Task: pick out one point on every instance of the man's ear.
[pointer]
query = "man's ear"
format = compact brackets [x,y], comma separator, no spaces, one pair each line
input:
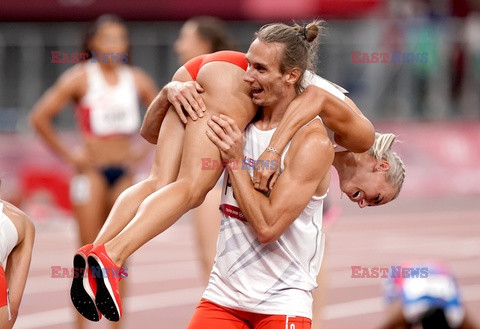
[293,76]
[382,165]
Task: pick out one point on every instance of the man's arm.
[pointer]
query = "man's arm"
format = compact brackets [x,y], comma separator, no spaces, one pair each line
[307,165]
[187,99]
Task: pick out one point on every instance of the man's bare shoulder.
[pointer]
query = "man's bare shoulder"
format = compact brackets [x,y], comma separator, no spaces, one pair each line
[310,155]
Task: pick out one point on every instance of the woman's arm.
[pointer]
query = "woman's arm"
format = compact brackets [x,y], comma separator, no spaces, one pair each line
[18,262]
[146,87]
[352,129]
[147,91]
[50,104]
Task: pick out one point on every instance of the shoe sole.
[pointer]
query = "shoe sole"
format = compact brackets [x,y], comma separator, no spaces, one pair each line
[81,299]
[105,299]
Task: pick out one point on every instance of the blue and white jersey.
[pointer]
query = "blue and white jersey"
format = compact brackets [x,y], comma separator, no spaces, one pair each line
[418,295]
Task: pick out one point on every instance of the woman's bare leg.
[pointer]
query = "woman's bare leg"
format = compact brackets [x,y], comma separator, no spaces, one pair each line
[164,207]
[164,171]
[120,186]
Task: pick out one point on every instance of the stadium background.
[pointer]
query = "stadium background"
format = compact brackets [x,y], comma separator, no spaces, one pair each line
[434,107]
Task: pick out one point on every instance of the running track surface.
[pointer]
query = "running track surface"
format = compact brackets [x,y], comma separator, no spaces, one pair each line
[164,282]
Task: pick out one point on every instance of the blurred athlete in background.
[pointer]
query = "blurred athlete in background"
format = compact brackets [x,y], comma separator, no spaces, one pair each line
[106,92]
[431,299]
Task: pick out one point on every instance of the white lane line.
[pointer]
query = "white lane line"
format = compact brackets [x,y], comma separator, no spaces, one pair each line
[191,296]
[65,315]
[413,215]
[137,274]
[377,305]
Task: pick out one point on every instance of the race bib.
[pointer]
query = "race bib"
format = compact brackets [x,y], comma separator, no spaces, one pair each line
[110,117]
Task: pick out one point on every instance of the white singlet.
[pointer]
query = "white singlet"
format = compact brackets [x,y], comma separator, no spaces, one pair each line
[8,236]
[109,110]
[311,78]
[271,278]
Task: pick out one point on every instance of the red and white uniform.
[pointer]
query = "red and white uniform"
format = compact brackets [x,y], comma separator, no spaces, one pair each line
[8,241]
[273,278]
[106,109]
[8,237]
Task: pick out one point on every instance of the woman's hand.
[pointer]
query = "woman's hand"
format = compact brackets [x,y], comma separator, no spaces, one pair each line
[266,174]
[185,97]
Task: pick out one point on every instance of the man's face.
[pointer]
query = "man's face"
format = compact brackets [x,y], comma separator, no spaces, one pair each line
[263,73]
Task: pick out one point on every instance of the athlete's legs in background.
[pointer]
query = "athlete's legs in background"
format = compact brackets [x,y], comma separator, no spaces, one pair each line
[331,212]
[319,294]
[207,218]
[89,197]
[164,171]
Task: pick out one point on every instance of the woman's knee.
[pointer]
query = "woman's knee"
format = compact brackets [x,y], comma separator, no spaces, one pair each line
[195,193]
[156,181]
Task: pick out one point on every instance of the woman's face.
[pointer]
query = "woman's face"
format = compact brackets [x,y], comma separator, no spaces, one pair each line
[110,38]
[190,44]
[368,186]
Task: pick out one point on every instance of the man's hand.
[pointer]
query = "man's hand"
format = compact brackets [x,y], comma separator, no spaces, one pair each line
[264,177]
[185,96]
[226,135]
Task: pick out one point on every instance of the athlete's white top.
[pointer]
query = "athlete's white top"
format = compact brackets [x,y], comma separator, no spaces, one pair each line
[8,236]
[310,78]
[272,278]
[107,109]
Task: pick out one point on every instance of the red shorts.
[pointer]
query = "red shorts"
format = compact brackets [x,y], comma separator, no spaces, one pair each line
[209,315]
[234,57]
[3,288]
